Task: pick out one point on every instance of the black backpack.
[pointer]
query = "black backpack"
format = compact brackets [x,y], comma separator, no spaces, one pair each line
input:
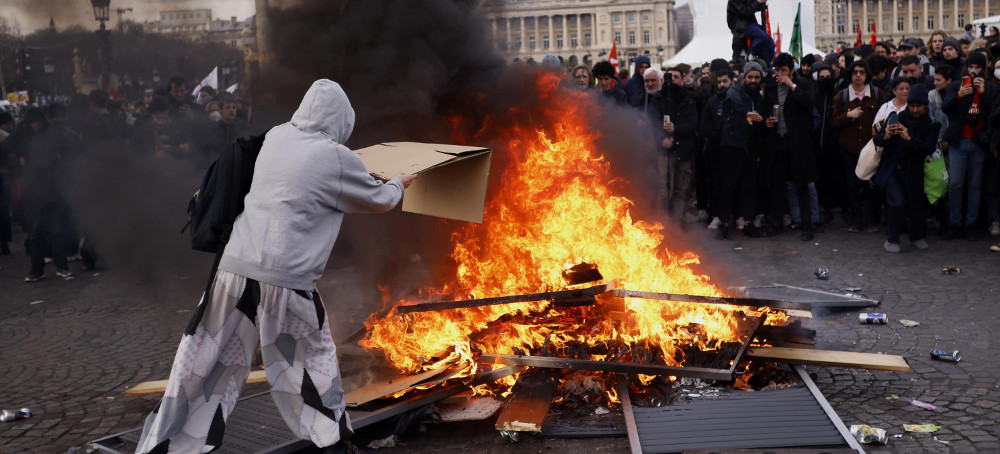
[214,207]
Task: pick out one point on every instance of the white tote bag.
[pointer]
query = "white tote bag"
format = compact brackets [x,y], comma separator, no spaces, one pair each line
[868,161]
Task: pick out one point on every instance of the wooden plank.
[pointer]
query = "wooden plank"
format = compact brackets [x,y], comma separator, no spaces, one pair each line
[633,432]
[798,313]
[738,301]
[394,385]
[551,362]
[830,358]
[158,386]
[475,409]
[461,304]
[529,403]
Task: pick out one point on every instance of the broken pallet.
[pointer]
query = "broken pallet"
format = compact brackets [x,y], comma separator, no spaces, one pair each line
[829,358]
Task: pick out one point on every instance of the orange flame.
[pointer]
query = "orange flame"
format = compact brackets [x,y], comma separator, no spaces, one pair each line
[556,203]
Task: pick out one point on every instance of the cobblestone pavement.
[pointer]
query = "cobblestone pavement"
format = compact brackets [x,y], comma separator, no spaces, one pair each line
[72,347]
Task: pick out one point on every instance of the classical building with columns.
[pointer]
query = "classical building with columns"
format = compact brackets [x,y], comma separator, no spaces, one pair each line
[582,31]
[837,21]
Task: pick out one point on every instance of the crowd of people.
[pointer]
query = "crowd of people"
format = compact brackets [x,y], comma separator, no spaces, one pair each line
[41,149]
[765,145]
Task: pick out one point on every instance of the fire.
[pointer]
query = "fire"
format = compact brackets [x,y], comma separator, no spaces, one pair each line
[556,203]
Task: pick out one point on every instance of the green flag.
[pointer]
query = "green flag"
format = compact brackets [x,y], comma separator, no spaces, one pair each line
[795,46]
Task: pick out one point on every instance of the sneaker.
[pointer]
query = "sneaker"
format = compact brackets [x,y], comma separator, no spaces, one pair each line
[853,228]
[65,274]
[73,258]
[702,215]
[786,220]
[714,225]
[793,226]
[921,244]
[995,247]
[34,277]
[758,221]
[740,223]
[890,246]
[995,228]
[872,229]
[48,260]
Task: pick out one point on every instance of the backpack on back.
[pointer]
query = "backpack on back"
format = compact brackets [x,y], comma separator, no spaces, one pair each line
[214,207]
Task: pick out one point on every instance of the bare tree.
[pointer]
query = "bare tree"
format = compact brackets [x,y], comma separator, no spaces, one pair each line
[10,39]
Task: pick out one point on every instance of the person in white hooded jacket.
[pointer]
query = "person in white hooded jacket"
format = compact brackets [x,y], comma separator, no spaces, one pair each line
[304,181]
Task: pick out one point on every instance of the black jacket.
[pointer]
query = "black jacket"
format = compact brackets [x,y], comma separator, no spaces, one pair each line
[675,101]
[712,120]
[798,113]
[740,13]
[737,133]
[957,110]
[907,156]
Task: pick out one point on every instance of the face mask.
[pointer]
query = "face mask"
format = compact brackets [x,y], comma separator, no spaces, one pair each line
[996,74]
[973,73]
[826,84]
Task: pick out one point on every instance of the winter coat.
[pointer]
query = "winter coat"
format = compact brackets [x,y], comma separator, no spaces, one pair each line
[798,113]
[303,183]
[616,93]
[737,133]
[675,101]
[907,156]
[957,110]
[712,121]
[740,13]
[635,86]
[854,133]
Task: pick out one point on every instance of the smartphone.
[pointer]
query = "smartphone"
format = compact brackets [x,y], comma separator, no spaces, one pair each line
[893,118]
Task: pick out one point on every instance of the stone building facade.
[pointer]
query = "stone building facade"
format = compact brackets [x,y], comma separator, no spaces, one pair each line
[582,31]
[837,21]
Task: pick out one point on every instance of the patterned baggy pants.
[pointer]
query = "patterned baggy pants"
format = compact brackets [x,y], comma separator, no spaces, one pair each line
[214,357]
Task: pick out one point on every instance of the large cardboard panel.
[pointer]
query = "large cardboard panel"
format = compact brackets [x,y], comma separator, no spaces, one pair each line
[452,178]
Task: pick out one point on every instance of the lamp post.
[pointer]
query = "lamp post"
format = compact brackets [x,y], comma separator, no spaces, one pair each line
[156,78]
[102,11]
[49,67]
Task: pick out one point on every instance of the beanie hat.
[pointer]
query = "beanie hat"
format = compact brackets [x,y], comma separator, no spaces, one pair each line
[750,67]
[918,95]
[976,58]
[952,43]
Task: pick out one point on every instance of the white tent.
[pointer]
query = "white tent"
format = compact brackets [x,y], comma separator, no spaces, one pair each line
[712,38]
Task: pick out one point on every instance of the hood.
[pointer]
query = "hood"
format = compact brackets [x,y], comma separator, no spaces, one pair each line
[326,109]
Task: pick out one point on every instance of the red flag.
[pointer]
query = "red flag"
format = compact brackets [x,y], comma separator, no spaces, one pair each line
[873,35]
[613,56]
[857,43]
[777,41]
[767,21]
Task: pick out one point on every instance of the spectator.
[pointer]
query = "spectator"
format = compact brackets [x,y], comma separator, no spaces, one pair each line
[911,47]
[790,138]
[163,136]
[879,67]
[712,121]
[936,41]
[968,36]
[830,183]
[965,44]
[635,85]
[181,102]
[968,103]
[583,78]
[911,68]
[854,111]
[674,105]
[901,170]
[653,80]
[226,130]
[205,95]
[740,145]
[950,49]
[900,88]
[608,84]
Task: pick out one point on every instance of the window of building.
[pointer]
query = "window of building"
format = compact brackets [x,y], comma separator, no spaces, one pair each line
[586,39]
[557,21]
[631,16]
[234,43]
[916,23]
[517,42]
[870,4]
[631,36]
[645,16]
[531,42]
[543,21]
[975,16]
[618,37]
[545,41]
[871,23]
[198,15]
[961,2]
[559,41]
[529,22]
[899,4]
[841,29]
[885,4]
[616,18]
[945,19]
[961,20]
[586,18]
[572,40]
[946,2]
[645,36]
[856,5]
[855,24]
[899,24]
[571,20]
[930,22]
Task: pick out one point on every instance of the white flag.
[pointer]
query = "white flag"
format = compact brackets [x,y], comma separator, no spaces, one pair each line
[232,88]
[211,80]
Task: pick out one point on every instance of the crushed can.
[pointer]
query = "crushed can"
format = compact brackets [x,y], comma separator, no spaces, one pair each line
[945,355]
[951,270]
[15,415]
[869,435]
[822,273]
[873,318]
[510,436]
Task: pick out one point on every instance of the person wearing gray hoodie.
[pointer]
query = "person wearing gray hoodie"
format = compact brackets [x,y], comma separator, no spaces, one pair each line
[304,181]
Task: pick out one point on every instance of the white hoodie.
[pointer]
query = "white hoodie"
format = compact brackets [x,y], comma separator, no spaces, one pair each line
[303,183]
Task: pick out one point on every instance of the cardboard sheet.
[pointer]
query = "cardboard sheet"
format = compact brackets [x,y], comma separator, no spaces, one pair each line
[452,178]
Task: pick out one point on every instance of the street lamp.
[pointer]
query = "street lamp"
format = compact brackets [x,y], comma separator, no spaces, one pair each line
[102,11]
[156,77]
[49,68]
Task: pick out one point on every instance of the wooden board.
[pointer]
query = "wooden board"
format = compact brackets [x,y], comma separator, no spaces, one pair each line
[394,385]
[532,297]
[475,409]
[158,386]
[529,403]
[829,358]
